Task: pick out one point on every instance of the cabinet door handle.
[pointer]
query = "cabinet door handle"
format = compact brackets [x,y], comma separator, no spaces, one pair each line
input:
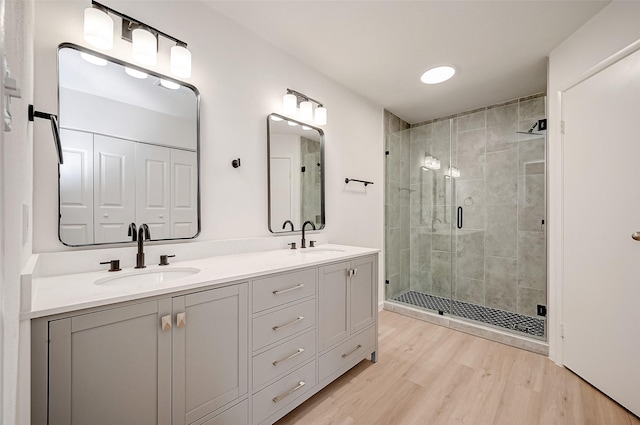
[181,320]
[282,291]
[288,393]
[299,351]
[345,355]
[299,318]
[166,322]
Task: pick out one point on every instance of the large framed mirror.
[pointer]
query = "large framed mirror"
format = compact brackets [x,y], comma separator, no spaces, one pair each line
[295,154]
[130,141]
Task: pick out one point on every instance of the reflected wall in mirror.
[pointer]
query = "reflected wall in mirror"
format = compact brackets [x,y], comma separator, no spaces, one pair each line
[130,142]
[296,174]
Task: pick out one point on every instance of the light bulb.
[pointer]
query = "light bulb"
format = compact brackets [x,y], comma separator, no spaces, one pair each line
[274,118]
[292,124]
[98,28]
[93,59]
[321,115]
[169,84]
[181,61]
[306,127]
[145,46]
[289,104]
[135,73]
[306,111]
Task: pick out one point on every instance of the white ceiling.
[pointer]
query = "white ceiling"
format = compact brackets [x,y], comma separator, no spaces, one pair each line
[380,49]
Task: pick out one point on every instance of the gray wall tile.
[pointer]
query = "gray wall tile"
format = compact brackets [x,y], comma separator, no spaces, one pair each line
[501,235]
[502,177]
[501,286]
[532,108]
[531,202]
[532,265]
[528,299]
[469,290]
[502,124]
[441,273]
[531,155]
[421,281]
[471,121]
[471,154]
[470,254]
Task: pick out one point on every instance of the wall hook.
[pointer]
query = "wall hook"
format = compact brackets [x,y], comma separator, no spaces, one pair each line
[235,163]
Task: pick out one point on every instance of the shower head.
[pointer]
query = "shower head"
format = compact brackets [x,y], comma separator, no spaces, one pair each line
[530,131]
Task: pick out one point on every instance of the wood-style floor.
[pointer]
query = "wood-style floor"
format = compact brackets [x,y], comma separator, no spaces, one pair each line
[431,375]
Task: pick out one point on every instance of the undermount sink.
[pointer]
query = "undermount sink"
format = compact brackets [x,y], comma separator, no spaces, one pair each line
[147,277]
[321,250]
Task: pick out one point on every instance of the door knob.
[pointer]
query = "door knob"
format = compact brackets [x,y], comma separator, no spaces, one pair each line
[166,323]
[181,320]
[636,236]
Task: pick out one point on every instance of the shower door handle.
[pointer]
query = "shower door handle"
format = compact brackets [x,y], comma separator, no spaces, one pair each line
[636,236]
[460,213]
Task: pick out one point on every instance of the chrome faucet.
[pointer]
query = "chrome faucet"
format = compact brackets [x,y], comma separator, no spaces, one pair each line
[304,241]
[288,222]
[143,233]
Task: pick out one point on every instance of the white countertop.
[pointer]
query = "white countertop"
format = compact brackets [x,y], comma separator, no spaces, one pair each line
[64,293]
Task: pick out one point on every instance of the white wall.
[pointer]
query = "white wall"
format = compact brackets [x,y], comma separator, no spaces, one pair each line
[614,28]
[17,183]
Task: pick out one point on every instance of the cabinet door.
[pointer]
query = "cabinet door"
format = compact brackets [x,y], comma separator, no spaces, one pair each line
[111,367]
[333,320]
[210,351]
[362,294]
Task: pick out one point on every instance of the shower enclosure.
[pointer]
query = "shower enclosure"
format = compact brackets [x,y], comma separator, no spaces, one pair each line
[465,216]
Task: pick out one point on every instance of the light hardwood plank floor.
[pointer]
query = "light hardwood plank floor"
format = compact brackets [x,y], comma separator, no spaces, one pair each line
[428,374]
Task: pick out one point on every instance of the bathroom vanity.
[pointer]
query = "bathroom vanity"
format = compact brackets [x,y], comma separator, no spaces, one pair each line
[236,339]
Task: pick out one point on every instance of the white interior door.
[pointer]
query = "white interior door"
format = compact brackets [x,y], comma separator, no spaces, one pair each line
[115,188]
[76,188]
[601,182]
[281,190]
[153,165]
[184,194]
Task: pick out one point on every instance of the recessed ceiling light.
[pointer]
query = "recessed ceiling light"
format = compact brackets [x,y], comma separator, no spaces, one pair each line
[438,74]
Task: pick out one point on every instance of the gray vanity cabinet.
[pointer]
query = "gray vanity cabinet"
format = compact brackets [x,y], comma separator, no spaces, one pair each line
[209,351]
[347,299]
[111,367]
[172,361]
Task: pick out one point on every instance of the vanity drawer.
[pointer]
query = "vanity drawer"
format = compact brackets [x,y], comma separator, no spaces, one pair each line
[283,358]
[280,324]
[282,392]
[353,348]
[277,290]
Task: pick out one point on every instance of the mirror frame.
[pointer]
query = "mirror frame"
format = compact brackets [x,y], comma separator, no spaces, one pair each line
[155,74]
[322,185]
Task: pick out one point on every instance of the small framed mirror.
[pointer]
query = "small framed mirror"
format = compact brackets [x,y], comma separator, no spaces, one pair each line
[130,141]
[295,159]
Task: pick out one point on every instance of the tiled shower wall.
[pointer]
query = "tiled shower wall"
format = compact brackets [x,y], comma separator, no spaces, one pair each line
[498,259]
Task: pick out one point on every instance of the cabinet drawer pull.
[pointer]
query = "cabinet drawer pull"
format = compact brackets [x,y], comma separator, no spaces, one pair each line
[166,322]
[299,318]
[282,291]
[181,320]
[299,351]
[345,355]
[288,393]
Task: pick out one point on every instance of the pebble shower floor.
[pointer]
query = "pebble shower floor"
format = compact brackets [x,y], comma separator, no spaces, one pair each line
[491,316]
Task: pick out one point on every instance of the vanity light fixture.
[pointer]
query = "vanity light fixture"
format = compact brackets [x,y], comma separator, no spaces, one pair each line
[93,59]
[293,99]
[98,27]
[439,74]
[98,31]
[135,73]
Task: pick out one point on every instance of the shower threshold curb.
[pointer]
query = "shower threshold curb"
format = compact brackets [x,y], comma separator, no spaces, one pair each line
[473,328]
